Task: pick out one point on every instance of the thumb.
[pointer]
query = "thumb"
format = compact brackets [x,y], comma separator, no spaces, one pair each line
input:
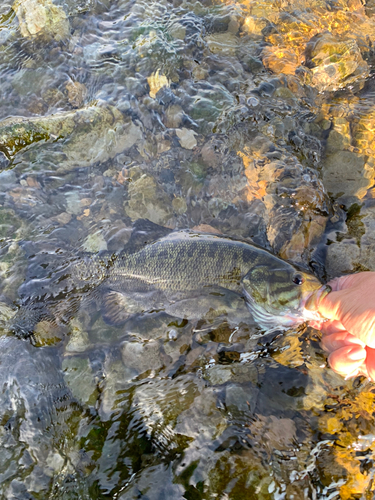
[330,307]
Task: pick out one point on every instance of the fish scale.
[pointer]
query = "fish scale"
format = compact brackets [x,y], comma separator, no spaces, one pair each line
[191,262]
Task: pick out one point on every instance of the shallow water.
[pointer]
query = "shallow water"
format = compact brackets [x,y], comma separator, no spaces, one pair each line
[251,119]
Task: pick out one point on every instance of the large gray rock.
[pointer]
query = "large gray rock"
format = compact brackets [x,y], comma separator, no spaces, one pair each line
[93,134]
[353,250]
[343,175]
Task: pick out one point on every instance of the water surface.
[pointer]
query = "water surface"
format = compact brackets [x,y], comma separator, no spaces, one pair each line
[251,119]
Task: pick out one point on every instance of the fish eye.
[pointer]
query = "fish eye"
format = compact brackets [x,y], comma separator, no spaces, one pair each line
[298,279]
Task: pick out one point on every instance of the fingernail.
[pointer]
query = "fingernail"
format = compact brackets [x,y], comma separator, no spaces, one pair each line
[355,353]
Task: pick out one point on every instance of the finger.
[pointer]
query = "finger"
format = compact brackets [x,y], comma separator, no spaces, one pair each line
[317,324]
[343,282]
[330,305]
[347,360]
[370,363]
[362,371]
[329,327]
[340,339]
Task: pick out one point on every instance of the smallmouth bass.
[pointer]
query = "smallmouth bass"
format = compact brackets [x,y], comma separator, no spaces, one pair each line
[171,274]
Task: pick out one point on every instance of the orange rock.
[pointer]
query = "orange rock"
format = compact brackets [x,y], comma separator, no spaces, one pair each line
[32,182]
[307,236]
[77,93]
[280,60]
[86,202]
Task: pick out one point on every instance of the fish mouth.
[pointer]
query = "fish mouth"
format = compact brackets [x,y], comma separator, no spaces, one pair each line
[292,317]
[268,321]
[310,303]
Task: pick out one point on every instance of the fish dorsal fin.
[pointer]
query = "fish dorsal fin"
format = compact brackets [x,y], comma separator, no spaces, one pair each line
[145,232]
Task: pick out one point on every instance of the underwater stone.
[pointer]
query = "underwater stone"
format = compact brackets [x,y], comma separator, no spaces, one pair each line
[174,116]
[157,81]
[117,378]
[9,223]
[254,26]
[54,97]
[308,236]
[367,246]
[141,356]
[336,63]
[342,257]
[91,134]
[4,162]
[148,199]
[177,31]
[79,339]
[218,374]
[339,137]
[241,398]
[343,175]
[225,44]
[77,93]
[94,243]
[80,379]
[179,205]
[163,481]
[280,60]
[41,18]
[8,179]
[47,334]
[353,249]
[211,153]
[73,203]
[200,73]
[187,138]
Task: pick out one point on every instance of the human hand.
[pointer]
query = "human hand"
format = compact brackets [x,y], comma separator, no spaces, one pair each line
[349,333]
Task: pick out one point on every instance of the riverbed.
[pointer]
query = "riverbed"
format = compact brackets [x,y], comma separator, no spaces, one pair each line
[253,120]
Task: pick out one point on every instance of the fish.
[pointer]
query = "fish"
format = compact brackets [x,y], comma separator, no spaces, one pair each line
[183,273]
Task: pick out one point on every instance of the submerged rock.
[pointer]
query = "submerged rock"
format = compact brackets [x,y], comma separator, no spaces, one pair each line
[42,18]
[187,138]
[91,134]
[344,175]
[225,44]
[80,379]
[336,63]
[94,243]
[147,199]
[37,414]
[353,248]
[280,60]
[77,93]
[157,482]
[295,204]
[157,81]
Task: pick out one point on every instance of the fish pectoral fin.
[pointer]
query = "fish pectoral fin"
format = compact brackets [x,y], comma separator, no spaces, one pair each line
[116,308]
[197,304]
